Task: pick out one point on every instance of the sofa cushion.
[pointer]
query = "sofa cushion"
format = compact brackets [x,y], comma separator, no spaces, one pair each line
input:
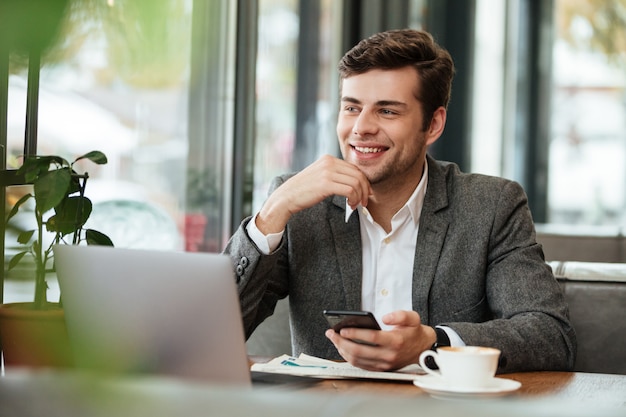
[596,295]
[579,243]
[272,337]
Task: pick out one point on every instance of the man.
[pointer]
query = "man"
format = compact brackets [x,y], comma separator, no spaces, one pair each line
[439,256]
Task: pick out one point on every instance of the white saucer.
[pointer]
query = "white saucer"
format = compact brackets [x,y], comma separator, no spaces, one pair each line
[437,388]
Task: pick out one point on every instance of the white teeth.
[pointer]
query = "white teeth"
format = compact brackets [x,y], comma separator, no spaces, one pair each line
[367,150]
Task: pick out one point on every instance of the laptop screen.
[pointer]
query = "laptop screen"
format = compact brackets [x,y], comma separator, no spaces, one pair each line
[156,312]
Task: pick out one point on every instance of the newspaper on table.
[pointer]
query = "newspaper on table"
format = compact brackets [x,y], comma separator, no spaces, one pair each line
[311,366]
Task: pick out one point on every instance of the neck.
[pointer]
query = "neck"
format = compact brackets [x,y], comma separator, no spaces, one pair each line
[388,199]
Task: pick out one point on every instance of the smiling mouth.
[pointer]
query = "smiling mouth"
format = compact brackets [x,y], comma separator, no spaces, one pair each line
[366,149]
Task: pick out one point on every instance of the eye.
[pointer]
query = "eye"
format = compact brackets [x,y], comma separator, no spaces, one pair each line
[388,112]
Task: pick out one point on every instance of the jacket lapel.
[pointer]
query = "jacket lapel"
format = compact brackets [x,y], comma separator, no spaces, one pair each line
[430,238]
[347,238]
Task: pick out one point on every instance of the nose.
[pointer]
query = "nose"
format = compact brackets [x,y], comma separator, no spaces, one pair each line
[365,124]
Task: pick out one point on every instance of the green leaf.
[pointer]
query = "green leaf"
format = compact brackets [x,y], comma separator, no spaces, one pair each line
[31,168]
[96,157]
[25,237]
[17,205]
[35,166]
[50,188]
[16,259]
[70,215]
[97,238]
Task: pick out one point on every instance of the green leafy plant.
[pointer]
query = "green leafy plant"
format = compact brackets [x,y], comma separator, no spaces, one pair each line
[60,207]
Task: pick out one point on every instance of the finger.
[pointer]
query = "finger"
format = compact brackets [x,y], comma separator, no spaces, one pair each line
[361,336]
[329,171]
[331,334]
[325,177]
[402,318]
[338,341]
[358,188]
[354,176]
[363,186]
[341,184]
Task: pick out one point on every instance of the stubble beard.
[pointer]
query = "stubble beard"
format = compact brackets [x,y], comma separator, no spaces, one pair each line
[394,173]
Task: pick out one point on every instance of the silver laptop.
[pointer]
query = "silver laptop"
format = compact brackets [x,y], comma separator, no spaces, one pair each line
[155,312]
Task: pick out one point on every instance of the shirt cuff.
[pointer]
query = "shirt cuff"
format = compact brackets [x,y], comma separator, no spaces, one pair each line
[266,244]
[455,339]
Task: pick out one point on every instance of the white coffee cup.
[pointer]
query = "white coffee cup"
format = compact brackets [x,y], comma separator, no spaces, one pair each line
[463,366]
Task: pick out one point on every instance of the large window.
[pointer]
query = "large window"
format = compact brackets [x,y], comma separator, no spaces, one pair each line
[295,114]
[116,79]
[276,90]
[549,106]
[160,86]
[587,176]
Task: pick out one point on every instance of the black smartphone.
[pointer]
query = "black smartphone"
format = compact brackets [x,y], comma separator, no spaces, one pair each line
[338,319]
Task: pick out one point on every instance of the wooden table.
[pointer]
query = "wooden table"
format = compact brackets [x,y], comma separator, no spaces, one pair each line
[601,388]
[585,388]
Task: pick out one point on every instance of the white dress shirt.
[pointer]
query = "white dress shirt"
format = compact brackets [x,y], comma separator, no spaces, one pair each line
[387,257]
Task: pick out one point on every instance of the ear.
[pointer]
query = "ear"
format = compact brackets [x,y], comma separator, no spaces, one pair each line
[437,123]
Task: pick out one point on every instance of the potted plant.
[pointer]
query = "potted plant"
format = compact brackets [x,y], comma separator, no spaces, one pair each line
[61,210]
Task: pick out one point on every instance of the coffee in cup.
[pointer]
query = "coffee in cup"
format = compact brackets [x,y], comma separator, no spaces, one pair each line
[463,366]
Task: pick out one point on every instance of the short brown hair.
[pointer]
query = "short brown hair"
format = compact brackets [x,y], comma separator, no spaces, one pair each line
[401,48]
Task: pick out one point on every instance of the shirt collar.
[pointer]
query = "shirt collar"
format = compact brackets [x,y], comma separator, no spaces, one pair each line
[414,203]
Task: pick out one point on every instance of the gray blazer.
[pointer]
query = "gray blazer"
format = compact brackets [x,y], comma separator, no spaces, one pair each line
[477,269]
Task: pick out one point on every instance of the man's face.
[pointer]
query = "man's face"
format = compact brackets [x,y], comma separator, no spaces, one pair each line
[380,125]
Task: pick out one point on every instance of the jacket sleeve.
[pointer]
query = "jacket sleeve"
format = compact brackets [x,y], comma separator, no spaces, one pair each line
[261,279]
[527,315]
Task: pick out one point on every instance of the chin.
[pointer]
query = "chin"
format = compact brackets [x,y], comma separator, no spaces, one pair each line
[374,177]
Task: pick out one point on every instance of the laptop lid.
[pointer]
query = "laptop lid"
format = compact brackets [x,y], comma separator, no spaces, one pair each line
[150,311]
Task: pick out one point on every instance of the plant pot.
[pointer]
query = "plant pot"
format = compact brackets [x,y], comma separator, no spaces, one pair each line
[34,338]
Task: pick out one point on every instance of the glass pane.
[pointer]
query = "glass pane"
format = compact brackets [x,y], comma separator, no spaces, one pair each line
[279,31]
[276,92]
[488,79]
[116,80]
[587,168]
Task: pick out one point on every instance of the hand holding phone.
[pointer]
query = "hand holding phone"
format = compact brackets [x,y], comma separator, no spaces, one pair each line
[338,319]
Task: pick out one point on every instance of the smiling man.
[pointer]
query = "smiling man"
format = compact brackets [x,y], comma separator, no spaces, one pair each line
[439,256]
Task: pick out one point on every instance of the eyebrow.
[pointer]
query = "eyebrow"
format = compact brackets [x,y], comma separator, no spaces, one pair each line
[381,103]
